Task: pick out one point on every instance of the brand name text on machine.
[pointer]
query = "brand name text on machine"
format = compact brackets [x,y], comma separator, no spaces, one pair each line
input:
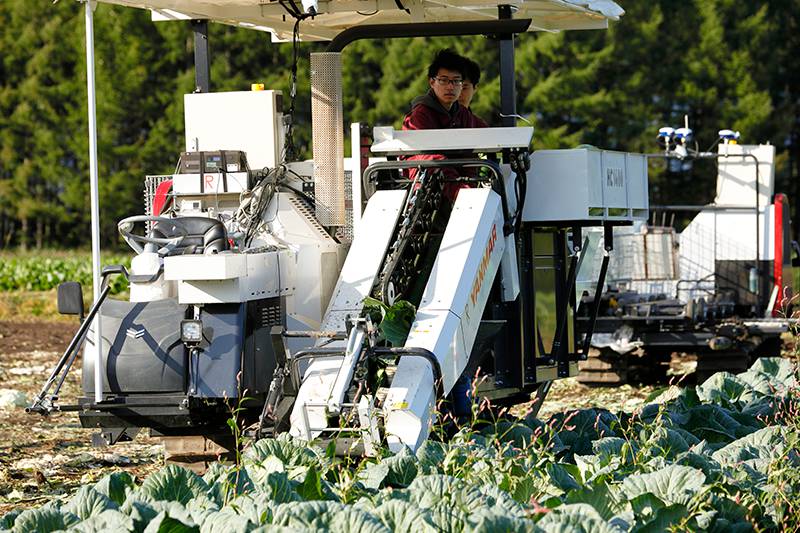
[487,255]
[615,177]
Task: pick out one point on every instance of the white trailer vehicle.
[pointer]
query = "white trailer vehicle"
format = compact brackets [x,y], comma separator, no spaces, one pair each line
[248,287]
[721,289]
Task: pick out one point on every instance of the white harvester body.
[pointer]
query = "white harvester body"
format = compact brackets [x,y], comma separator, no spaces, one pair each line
[250,284]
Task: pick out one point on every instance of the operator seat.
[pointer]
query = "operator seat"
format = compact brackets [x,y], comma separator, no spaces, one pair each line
[204,235]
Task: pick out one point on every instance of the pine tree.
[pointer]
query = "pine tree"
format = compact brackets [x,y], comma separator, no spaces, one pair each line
[722,63]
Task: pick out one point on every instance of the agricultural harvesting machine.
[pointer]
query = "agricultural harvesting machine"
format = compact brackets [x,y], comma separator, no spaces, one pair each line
[721,289]
[251,272]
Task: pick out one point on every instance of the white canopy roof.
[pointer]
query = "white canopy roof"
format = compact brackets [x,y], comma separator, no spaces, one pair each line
[335,16]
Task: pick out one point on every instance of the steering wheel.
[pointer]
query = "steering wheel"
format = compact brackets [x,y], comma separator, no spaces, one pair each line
[166,244]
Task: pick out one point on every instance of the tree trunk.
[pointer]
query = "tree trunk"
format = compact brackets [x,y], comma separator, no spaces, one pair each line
[39,232]
[23,235]
[8,232]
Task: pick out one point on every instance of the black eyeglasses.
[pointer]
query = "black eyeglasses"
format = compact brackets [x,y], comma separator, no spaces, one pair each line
[448,81]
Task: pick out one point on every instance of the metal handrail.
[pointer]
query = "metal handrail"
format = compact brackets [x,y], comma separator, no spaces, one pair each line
[44,403]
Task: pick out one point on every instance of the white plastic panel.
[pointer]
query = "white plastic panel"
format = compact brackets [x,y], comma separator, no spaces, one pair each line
[318,381]
[355,281]
[149,264]
[353,164]
[314,266]
[720,235]
[225,278]
[389,141]
[586,184]
[612,168]
[338,15]
[473,237]
[736,177]
[509,278]
[449,314]
[205,267]
[638,193]
[251,121]
[364,258]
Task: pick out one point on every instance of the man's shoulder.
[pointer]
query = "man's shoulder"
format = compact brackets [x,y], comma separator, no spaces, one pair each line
[421,110]
[424,116]
[424,99]
[468,119]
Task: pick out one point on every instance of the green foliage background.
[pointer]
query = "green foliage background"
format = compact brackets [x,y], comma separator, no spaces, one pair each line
[46,271]
[725,63]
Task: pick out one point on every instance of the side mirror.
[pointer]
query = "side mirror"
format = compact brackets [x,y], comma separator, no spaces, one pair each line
[70,299]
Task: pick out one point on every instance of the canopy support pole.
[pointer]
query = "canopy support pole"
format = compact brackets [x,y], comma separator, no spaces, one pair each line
[94,194]
[202,66]
[508,92]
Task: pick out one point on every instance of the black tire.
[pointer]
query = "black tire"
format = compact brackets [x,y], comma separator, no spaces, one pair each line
[603,367]
[709,363]
[769,347]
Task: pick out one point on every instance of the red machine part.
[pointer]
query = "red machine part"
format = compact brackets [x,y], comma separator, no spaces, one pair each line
[161,197]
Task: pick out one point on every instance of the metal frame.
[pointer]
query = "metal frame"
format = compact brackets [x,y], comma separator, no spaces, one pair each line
[202,65]
[519,372]
[508,90]
[716,157]
[428,29]
[93,185]
[497,181]
[44,403]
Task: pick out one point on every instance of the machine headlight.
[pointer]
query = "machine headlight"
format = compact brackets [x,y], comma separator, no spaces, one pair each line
[191,331]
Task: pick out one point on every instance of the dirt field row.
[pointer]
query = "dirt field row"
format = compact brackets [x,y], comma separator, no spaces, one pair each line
[42,458]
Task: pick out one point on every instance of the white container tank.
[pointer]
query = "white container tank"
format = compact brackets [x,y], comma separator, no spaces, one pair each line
[586,184]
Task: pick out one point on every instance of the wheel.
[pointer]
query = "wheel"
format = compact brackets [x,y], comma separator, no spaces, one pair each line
[603,367]
[649,367]
[197,452]
[734,361]
[769,347]
[165,244]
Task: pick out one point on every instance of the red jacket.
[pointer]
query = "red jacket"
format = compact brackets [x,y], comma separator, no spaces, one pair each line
[428,114]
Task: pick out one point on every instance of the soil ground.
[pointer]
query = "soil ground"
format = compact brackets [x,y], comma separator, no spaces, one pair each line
[44,458]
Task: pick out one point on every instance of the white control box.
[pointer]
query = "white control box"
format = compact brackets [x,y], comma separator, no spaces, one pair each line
[250,121]
[586,185]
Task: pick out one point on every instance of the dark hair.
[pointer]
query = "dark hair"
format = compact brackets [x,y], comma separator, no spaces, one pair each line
[446,59]
[472,72]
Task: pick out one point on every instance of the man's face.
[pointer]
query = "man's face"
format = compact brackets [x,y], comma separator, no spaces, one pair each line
[467,92]
[446,86]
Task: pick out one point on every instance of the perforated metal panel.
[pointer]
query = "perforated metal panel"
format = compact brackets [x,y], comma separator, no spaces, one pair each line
[328,137]
[301,208]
